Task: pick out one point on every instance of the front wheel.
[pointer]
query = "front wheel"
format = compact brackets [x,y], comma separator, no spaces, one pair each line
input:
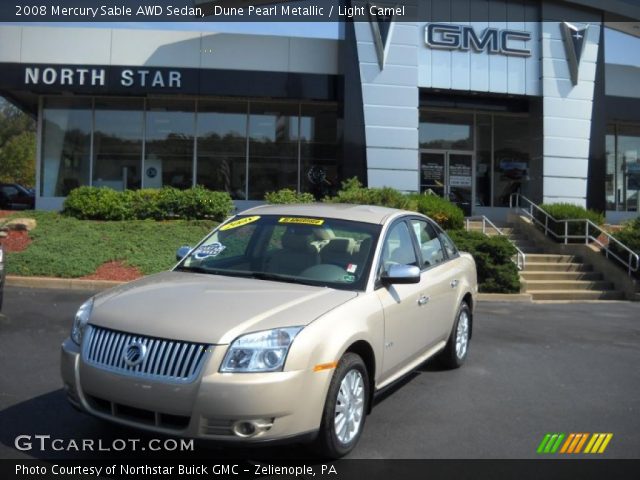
[345,408]
[455,353]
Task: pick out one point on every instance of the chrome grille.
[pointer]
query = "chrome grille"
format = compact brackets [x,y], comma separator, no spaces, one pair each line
[164,360]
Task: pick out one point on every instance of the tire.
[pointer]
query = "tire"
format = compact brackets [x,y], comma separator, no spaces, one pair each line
[457,348]
[351,374]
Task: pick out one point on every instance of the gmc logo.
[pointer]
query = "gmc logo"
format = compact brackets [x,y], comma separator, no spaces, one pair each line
[464,37]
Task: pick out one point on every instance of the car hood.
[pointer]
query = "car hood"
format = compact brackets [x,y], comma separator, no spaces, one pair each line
[210,308]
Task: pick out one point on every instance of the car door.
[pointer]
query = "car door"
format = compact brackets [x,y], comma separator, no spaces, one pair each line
[439,277]
[406,306]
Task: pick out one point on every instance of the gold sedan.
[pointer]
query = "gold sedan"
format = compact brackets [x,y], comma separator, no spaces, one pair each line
[281,325]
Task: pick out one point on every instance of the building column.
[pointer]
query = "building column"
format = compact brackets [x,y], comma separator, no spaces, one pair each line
[567,111]
[390,102]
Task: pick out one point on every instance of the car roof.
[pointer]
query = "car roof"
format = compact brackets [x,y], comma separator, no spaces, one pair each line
[343,211]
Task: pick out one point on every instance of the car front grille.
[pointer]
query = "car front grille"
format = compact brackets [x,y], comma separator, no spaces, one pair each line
[162,359]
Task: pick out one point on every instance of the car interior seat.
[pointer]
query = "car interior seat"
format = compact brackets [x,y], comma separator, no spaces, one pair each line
[296,255]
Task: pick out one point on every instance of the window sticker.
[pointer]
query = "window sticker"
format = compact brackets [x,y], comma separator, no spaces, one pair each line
[349,278]
[212,250]
[351,268]
[302,221]
[239,223]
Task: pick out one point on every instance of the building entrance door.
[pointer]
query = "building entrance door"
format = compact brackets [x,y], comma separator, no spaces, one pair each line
[449,174]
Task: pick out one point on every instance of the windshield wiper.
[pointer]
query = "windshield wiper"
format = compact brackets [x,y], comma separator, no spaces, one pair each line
[216,271]
[244,274]
[282,278]
[182,268]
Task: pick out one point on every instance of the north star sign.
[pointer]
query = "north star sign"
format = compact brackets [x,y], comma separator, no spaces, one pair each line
[464,37]
[97,77]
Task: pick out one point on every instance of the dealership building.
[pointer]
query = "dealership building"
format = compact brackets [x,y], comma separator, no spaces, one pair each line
[477,100]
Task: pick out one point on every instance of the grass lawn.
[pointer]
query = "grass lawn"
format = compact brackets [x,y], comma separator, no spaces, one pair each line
[68,248]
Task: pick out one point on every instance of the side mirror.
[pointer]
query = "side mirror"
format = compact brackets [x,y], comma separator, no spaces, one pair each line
[401,274]
[182,252]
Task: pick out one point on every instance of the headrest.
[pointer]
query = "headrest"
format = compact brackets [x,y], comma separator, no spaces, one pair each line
[339,245]
[296,241]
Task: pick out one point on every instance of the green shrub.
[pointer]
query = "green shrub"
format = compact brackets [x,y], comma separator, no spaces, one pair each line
[287,195]
[91,203]
[630,236]
[567,211]
[144,203]
[198,202]
[352,191]
[448,215]
[445,213]
[496,272]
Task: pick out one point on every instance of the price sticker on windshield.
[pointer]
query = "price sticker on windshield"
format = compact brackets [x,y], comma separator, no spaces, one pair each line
[239,223]
[301,221]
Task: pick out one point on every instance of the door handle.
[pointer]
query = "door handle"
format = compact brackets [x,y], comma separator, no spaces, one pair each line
[423,300]
[454,283]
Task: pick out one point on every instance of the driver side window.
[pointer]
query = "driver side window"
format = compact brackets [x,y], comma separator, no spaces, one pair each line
[398,247]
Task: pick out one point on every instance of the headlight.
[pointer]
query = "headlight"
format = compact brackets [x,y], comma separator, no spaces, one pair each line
[80,321]
[260,351]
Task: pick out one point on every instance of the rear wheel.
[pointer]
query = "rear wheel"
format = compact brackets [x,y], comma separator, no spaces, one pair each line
[345,408]
[455,353]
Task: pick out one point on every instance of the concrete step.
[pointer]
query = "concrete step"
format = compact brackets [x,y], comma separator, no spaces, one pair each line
[490,231]
[557,267]
[592,276]
[560,285]
[553,258]
[531,250]
[577,295]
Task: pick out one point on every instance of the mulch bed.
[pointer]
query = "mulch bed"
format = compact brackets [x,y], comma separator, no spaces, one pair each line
[114,271]
[5,213]
[16,241]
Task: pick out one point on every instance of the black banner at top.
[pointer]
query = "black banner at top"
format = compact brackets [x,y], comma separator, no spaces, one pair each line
[207,11]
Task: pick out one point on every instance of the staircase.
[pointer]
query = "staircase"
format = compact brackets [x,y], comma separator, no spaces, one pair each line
[549,276]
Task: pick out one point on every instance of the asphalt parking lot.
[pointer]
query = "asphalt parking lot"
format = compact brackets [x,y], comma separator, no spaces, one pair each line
[532,369]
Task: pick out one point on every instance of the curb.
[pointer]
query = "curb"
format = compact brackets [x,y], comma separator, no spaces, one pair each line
[505,297]
[60,283]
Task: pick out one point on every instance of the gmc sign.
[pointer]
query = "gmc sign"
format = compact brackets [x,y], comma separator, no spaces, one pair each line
[464,37]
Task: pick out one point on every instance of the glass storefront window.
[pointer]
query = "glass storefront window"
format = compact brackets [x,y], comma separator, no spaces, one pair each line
[483,160]
[623,158]
[511,158]
[273,148]
[169,144]
[446,130]
[319,138]
[66,146]
[117,143]
[222,147]
[610,180]
[280,144]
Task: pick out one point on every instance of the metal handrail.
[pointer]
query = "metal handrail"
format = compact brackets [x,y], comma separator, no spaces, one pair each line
[520,256]
[632,263]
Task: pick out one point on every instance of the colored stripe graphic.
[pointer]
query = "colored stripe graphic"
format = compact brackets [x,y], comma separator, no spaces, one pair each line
[550,443]
[598,443]
[573,443]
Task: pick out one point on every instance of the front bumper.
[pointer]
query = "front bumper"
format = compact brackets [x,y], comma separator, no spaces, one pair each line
[281,404]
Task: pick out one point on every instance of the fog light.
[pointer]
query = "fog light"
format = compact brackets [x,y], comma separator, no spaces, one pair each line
[250,428]
[244,429]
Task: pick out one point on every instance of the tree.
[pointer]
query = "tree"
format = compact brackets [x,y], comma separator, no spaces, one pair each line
[17,159]
[17,146]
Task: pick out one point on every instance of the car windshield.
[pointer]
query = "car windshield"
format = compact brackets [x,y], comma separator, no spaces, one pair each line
[308,250]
